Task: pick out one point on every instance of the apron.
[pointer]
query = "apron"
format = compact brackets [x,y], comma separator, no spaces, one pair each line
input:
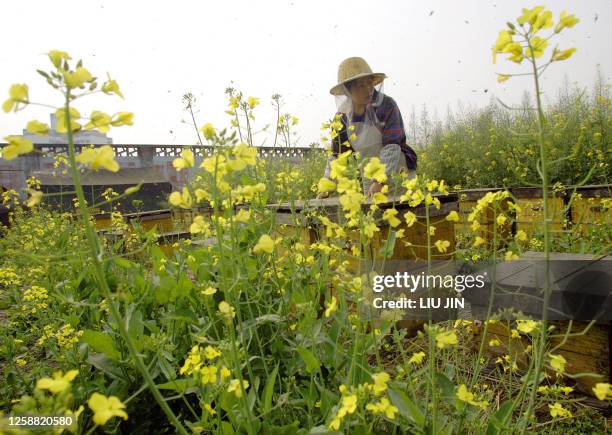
[369,144]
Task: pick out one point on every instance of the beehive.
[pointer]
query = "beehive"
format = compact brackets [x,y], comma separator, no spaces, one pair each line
[530,218]
[294,219]
[587,353]
[591,206]
[182,218]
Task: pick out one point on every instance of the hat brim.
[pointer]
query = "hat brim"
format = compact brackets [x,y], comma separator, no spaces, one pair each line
[339,88]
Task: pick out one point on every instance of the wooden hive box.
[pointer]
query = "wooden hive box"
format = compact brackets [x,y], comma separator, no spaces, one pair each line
[102,221]
[159,219]
[293,219]
[182,218]
[531,216]
[591,206]
[585,353]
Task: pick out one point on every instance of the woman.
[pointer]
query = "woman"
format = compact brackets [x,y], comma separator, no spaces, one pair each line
[375,120]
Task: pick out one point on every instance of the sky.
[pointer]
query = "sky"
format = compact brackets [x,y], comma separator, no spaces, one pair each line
[434,53]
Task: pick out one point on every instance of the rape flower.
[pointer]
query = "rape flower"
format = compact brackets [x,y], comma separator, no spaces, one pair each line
[529,15]
[332,307]
[56,57]
[562,55]
[465,395]
[370,229]
[501,219]
[35,198]
[243,216]
[111,87]
[349,405]
[510,256]
[37,127]
[502,78]
[453,216]
[209,291]
[503,40]
[446,338]
[105,408]
[208,130]
[77,78]
[602,390]
[122,118]
[234,387]
[198,225]
[181,199]
[61,126]
[211,353]
[557,362]
[225,373]
[227,310]
[17,145]
[18,94]
[390,215]
[383,407]
[375,170]
[538,45]
[99,120]
[186,160]
[209,409]
[351,201]
[417,358]
[245,154]
[543,21]
[193,362]
[265,244]
[521,236]
[557,410]
[442,245]
[58,383]
[101,157]
[410,218]
[252,102]
[209,374]
[380,382]
[526,326]
[326,185]
[565,21]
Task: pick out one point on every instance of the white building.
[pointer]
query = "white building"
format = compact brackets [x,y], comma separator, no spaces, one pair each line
[87,137]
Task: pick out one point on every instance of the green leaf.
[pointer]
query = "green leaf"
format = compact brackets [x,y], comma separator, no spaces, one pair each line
[312,362]
[123,263]
[388,246]
[447,387]
[101,342]
[406,407]
[269,390]
[496,420]
[179,385]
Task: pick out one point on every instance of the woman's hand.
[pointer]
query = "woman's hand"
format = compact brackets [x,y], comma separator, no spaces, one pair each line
[374,188]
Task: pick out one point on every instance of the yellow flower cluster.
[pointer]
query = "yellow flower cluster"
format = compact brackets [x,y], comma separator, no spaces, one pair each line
[465,395]
[208,374]
[36,299]
[65,337]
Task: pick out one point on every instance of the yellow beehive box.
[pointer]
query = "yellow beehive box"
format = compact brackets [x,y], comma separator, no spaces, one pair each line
[159,219]
[591,206]
[586,353]
[530,218]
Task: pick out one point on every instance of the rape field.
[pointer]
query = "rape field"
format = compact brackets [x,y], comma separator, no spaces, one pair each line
[250,325]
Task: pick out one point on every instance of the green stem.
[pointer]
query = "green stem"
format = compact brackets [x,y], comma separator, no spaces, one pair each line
[101,279]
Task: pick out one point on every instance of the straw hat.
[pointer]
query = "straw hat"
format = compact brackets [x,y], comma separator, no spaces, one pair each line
[351,69]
